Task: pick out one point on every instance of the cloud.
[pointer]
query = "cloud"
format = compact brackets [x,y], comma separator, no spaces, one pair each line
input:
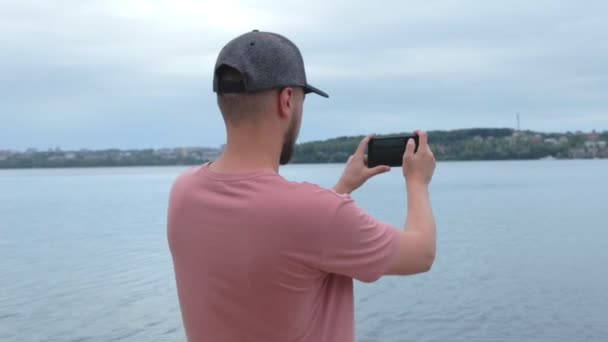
[135,73]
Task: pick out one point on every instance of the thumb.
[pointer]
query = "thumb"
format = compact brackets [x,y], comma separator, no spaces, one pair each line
[409,149]
[378,170]
[363,145]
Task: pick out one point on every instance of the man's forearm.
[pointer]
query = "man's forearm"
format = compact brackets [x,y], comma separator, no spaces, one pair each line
[420,214]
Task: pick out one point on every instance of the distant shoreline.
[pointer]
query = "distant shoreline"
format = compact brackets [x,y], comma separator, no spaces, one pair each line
[290,164]
[475,144]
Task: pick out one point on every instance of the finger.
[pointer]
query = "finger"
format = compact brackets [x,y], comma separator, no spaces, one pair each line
[409,149]
[423,139]
[363,145]
[378,170]
[365,159]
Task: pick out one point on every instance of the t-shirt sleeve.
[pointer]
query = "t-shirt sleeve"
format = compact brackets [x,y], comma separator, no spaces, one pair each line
[357,245]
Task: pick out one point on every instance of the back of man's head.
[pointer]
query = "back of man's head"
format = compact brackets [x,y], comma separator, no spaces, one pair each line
[251,69]
[242,107]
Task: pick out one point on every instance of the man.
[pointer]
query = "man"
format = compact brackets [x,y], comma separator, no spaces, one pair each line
[259,258]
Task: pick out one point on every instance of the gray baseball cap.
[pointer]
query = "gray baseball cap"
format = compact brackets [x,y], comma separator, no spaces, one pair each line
[265,60]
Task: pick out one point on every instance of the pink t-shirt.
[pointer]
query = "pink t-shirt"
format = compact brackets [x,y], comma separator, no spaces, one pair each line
[259,258]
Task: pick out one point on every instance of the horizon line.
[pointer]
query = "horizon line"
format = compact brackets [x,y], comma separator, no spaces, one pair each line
[44,149]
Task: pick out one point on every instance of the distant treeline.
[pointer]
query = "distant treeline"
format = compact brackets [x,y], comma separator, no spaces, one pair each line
[463,144]
[474,144]
[55,158]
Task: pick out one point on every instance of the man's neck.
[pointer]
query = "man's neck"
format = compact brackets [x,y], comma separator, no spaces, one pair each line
[238,158]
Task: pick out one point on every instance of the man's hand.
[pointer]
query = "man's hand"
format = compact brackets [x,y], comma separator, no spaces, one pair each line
[356,172]
[418,167]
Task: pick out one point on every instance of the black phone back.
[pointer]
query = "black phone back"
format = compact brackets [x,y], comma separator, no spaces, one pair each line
[388,150]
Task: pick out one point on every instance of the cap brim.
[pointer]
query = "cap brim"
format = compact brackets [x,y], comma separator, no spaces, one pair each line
[311,89]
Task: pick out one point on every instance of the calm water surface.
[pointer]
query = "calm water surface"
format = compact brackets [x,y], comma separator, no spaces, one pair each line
[522,254]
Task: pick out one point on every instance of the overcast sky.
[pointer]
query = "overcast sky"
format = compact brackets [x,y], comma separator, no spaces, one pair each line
[137,74]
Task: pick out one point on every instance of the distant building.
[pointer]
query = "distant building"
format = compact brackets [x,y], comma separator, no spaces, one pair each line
[577,153]
[183,152]
[163,151]
[601,144]
[211,155]
[593,136]
[551,141]
[590,144]
[440,148]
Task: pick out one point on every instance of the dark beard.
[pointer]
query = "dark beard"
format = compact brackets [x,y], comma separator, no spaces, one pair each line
[288,143]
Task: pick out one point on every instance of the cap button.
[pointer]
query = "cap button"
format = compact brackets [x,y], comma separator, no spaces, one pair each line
[256,30]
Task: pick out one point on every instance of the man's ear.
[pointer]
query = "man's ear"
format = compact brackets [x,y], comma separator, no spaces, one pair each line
[286,102]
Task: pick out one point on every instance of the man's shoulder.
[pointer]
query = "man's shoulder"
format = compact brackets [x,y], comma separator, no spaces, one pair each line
[314,196]
[184,179]
[186,174]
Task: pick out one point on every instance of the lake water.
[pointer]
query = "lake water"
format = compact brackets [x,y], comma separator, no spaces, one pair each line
[522,254]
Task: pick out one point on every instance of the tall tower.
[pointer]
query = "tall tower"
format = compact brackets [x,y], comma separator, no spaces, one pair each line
[518,123]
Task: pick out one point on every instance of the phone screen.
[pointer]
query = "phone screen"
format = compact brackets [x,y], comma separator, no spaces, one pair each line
[388,151]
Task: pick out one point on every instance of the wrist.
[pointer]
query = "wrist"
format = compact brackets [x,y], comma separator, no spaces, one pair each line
[341,189]
[416,186]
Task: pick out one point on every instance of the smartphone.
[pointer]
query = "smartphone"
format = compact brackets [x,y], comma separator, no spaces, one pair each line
[388,150]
